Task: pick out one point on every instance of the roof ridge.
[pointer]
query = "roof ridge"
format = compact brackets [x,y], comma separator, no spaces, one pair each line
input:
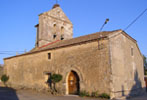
[97,33]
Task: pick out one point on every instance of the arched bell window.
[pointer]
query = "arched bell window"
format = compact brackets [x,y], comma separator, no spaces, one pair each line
[62,30]
[62,37]
[54,28]
[62,33]
[54,36]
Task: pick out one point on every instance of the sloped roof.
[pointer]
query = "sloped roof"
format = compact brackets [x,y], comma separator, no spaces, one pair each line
[69,42]
[73,41]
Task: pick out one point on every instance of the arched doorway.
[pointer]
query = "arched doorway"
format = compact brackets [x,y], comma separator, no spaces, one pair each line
[73,83]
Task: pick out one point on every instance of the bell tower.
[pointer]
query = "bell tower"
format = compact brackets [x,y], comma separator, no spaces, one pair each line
[53,25]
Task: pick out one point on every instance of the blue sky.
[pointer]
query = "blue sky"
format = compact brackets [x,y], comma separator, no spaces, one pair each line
[18,18]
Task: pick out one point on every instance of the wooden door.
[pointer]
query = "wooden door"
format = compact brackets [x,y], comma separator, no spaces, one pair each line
[73,83]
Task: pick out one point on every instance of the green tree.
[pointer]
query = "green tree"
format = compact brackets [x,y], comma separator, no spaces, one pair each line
[145,65]
[55,78]
[4,79]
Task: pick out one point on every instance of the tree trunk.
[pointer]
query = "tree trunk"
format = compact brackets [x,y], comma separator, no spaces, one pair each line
[55,87]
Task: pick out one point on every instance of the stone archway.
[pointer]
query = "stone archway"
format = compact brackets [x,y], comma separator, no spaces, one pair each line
[73,83]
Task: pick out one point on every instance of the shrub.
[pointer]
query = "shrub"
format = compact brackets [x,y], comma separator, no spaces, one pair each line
[94,94]
[145,72]
[4,79]
[84,94]
[105,95]
[55,78]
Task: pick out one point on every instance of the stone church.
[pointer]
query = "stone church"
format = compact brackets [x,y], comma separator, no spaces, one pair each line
[108,62]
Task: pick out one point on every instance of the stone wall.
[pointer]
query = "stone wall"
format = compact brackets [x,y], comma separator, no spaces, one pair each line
[90,63]
[127,66]
[1,71]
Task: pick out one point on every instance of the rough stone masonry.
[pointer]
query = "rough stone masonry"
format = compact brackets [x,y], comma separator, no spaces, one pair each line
[108,62]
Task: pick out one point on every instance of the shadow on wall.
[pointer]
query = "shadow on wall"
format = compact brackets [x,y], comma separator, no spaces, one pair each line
[8,94]
[145,78]
[49,81]
[137,88]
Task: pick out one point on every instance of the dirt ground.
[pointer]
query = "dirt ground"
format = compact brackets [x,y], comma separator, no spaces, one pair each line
[11,94]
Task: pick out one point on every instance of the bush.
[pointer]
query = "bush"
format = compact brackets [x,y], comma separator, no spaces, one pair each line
[4,79]
[145,72]
[95,94]
[56,78]
[104,95]
[84,94]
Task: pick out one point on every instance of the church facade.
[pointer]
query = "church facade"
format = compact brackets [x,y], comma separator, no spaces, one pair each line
[108,62]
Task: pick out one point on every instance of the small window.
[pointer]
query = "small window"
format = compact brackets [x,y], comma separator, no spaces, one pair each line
[132,51]
[49,55]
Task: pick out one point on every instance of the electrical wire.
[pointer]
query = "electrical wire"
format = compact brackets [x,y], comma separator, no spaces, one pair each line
[6,54]
[11,51]
[135,19]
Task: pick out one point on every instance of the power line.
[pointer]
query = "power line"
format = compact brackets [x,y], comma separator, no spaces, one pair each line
[6,54]
[135,20]
[12,51]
